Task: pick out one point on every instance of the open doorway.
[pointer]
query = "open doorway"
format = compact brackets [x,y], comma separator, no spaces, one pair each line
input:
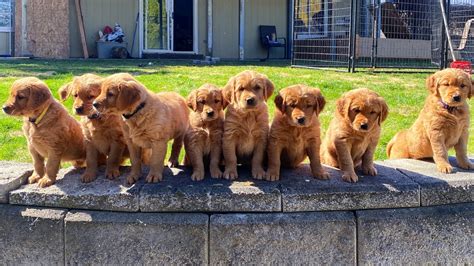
[183,25]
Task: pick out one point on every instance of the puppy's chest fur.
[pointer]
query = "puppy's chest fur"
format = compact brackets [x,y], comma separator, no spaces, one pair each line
[450,125]
[247,130]
[103,132]
[205,134]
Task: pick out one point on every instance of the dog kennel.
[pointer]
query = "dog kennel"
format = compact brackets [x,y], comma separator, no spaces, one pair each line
[350,34]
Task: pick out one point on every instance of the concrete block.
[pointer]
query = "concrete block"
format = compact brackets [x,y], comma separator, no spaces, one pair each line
[108,238]
[437,188]
[31,236]
[389,189]
[430,235]
[12,176]
[178,193]
[70,192]
[283,239]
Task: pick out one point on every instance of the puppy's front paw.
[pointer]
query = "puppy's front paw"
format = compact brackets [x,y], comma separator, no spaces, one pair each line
[350,177]
[112,173]
[132,178]
[272,175]
[197,175]
[33,178]
[45,182]
[321,175]
[88,177]
[466,165]
[369,170]
[445,168]
[216,172]
[154,177]
[258,173]
[231,174]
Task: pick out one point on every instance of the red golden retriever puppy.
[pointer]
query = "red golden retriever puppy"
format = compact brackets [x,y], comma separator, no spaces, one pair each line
[354,133]
[295,131]
[246,122]
[204,137]
[151,120]
[103,132]
[50,131]
[443,123]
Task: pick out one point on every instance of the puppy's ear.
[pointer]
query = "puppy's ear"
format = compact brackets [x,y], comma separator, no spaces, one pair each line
[65,91]
[191,100]
[228,90]
[341,106]
[280,102]
[432,84]
[224,100]
[321,102]
[471,90]
[384,110]
[269,88]
[39,93]
[129,94]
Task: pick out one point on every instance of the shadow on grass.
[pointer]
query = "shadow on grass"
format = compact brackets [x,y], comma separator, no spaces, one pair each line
[51,68]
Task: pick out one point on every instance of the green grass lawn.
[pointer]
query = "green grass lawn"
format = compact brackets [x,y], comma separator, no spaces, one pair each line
[404,92]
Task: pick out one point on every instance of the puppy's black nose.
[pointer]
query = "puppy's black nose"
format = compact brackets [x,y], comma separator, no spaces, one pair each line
[457,98]
[364,126]
[250,101]
[210,113]
[79,110]
[301,120]
[95,104]
[5,109]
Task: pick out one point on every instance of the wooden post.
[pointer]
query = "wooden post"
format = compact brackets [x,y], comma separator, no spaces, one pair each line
[80,22]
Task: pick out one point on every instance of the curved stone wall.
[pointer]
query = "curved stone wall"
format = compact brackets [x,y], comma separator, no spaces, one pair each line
[409,213]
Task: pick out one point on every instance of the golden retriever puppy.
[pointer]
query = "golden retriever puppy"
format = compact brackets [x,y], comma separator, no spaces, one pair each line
[204,137]
[151,120]
[443,123]
[103,132]
[354,133]
[50,131]
[246,122]
[295,131]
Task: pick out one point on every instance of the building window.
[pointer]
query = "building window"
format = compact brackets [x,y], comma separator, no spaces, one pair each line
[311,19]
[6,16]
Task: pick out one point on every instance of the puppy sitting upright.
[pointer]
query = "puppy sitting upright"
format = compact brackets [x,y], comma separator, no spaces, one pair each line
[354,133]
[103,133]
[443,123]
[246,122]
[204,136]
[295,131]
[151,120]
[50,131]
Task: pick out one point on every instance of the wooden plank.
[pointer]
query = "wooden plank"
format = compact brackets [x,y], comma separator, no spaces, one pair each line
[80,22]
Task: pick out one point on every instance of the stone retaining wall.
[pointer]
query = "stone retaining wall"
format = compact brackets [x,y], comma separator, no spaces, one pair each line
[407,214]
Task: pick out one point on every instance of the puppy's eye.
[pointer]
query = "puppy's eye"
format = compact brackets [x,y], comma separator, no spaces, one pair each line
[90,97]
[20,97]
[110,94]
[462,86]
[75,95]
[373,112]
[202,101]
[309,106]
[356,111]
[292,105]
[445,84]
[257,88]
[217,101]
[241,88]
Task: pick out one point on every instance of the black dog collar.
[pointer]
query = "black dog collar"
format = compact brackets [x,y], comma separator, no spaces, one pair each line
[447,107]
[94,116]
[128,116]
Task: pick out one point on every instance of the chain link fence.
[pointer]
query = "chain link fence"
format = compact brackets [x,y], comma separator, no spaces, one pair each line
[380,34]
